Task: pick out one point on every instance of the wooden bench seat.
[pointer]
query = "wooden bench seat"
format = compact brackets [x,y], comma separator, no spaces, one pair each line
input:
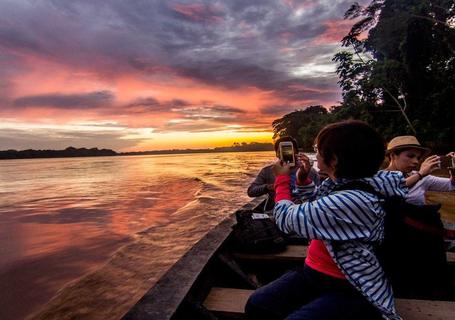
[297,252]
[292,252]
[230,301]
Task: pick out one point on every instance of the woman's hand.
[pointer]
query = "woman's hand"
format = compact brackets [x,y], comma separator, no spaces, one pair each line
[429,165]
[280,168]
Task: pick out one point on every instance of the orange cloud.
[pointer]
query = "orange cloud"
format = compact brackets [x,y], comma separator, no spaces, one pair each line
[336,30]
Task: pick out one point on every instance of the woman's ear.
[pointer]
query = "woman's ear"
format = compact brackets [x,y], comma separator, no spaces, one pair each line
[392,156]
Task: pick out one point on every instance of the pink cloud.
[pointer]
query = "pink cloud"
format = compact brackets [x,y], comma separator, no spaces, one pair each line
[198,12]
[336,30]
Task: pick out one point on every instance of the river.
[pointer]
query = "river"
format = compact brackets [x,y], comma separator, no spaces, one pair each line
[117,223]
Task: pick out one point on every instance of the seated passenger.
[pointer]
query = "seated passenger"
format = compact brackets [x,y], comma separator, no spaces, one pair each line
[263,183]
[405,154]
[341,277]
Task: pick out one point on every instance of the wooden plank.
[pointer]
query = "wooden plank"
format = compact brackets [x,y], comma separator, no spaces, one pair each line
[292,252]
[425,309]
[227,300]
[233,301]
[297,252]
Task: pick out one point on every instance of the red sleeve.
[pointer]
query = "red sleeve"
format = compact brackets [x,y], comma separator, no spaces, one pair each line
[282,188]
[306,182]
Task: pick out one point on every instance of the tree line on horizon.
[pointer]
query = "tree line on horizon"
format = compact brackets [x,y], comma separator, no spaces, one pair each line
[400,78]
[95,152]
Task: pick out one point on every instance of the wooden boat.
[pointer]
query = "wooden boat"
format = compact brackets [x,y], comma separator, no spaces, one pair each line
[214,281]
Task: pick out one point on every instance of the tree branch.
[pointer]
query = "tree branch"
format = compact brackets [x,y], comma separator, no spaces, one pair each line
[401,109]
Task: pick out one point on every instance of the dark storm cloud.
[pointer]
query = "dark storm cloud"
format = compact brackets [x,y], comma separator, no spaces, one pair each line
[152,105]
[181,108]
[196,125]
[68,101]
[277,109]
[225,43]
[226,109]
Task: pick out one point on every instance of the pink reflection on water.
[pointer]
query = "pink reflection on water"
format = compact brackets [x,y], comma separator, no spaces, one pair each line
[59,218]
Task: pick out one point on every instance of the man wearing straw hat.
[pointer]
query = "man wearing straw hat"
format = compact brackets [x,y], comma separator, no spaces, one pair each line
[405,154]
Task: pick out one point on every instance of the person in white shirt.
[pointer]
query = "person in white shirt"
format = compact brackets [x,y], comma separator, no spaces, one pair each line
[405,154]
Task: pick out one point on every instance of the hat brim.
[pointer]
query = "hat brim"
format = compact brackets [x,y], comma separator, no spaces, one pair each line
[409,146]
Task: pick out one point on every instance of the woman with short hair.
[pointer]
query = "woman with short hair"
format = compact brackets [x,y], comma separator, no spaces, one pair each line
[341,277]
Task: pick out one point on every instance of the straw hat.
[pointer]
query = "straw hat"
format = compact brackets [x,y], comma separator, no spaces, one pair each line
[405,142]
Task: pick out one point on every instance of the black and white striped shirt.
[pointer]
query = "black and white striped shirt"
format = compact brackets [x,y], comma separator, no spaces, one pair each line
[348,222]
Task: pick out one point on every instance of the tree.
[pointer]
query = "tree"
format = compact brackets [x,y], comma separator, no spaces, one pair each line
[402,74]
[302,125]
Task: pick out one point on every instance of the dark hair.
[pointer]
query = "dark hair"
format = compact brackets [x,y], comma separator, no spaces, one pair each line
[358,148]
[286,138]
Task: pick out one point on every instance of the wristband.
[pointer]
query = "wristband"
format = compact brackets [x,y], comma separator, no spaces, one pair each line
[420,175]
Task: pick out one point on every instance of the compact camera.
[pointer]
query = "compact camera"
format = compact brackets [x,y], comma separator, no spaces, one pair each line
[287,154]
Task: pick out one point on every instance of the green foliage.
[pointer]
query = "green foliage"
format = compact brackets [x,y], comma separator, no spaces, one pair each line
[402,74]
[397,73]
[303,125]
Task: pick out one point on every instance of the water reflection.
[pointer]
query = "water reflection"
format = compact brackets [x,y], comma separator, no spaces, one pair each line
[60,218]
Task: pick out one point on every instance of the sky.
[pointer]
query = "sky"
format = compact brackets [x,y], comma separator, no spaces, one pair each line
[152,75]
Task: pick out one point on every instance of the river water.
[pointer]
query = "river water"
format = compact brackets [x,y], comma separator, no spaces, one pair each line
[86,237]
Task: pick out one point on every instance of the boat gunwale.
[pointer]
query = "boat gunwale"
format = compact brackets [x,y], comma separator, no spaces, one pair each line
[162,300]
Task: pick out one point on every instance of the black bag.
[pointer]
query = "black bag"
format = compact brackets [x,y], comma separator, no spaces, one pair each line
[412,253]
[256,233]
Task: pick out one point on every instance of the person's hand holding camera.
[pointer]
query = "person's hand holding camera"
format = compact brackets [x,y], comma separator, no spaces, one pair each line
[281,168]
[429,165]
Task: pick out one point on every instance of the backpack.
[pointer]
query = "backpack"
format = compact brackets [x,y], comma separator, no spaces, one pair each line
[256,233]
[412,253]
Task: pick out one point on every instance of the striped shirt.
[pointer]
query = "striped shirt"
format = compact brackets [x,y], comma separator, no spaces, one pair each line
[349,222]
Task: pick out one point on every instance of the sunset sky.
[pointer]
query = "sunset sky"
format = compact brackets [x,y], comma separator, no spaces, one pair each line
[148,75]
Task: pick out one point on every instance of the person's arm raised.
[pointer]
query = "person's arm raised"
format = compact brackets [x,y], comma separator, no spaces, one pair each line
[429,165]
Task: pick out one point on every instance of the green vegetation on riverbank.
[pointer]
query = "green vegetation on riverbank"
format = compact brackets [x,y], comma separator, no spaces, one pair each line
[397,73]
[95,152]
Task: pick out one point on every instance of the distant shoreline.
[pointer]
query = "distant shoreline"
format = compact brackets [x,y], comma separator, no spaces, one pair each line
[71,152]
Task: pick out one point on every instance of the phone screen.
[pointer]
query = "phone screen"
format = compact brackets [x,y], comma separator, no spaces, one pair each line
[287,154]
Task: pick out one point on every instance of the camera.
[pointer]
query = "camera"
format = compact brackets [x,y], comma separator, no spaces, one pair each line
[445,162]
[287,154]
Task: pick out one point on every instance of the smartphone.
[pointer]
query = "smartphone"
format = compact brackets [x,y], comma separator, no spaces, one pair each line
[445,162]
[287,153]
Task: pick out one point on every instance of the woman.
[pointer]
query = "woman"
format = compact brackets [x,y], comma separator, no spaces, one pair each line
[341,277]
[405,153]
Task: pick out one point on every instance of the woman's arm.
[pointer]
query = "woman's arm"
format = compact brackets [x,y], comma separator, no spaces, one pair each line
[346,215]
[342,216]
[439,184]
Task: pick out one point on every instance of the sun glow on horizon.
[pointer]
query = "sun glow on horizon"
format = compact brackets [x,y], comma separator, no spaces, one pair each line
[200,140]
[84,134]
